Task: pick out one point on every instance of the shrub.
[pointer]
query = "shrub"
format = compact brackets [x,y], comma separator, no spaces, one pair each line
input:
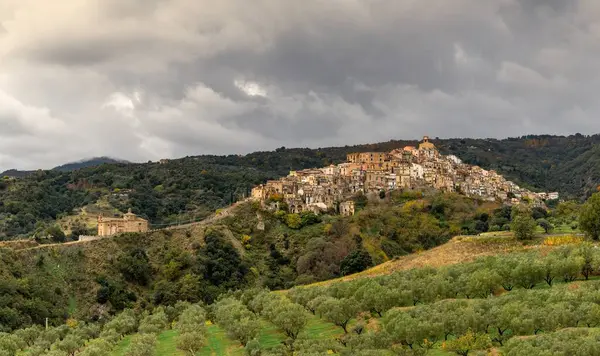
[562,240]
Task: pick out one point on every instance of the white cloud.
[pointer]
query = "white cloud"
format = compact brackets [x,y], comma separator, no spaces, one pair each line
[121,103]
[250,88]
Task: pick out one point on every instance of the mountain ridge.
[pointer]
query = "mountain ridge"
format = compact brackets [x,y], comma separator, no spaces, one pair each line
[66,167]
[194,187]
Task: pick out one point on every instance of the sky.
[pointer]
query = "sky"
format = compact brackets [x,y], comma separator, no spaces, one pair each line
[148,79]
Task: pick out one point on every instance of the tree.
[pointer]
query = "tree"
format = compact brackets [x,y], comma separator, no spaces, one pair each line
[523,226]
[56,234]
[135,266]
[407,330]
[191,342]
[189,288]
[69,345]
[467,343]
[539,213]
[570,267]
[528,273]
[191,320]
[10,343]
[293,221]
[239,322]
[372,296]
[142,345]
[339,228]
[154,323]
[253,348]
[309,218]
[550,264]
[289,317]
[220,264]
[29,335]
[124,323]
[545,224]
[97,347]
[356,261]
[483,283]
[338,311]
[589,217]
[585,251]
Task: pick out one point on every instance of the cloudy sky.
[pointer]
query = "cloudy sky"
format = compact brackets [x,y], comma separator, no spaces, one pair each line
[147,79]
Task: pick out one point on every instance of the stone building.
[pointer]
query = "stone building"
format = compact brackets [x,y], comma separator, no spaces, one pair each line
[347,208]
[128,223]
[367,157]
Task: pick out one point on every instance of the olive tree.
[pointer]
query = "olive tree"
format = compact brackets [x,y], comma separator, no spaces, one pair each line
[339,311]
[239,322]
[142,345]
[191,342]
[467,343]
[154,323]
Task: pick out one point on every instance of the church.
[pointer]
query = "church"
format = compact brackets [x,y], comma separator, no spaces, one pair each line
[128,223]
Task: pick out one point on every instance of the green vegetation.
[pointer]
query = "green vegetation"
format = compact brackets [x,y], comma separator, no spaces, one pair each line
[96,280]
[191,188]
[589,219]
[205,290]
[513,302]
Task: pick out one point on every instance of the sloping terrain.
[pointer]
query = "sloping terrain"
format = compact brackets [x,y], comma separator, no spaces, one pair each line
[196,186]
[459,249]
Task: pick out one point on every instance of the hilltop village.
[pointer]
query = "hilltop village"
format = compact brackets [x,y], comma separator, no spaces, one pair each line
[332,188]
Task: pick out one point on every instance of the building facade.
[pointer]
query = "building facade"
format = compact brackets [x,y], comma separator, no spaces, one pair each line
[128,223]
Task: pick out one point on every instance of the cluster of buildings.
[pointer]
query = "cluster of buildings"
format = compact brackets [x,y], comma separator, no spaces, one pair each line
[332,188]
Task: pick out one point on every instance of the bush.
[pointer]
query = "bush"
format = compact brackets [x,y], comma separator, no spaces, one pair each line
[293,221]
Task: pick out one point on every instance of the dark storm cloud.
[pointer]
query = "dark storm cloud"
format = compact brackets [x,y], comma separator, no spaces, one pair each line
[149,79]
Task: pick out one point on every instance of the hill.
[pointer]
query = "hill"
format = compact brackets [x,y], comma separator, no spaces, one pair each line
[193,187]
[14,173]
[250,247]
[67,167]
[90,162]
[515,300]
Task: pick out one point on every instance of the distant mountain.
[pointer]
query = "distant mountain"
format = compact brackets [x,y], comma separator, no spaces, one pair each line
[68,167]
[91,162]
[15,173]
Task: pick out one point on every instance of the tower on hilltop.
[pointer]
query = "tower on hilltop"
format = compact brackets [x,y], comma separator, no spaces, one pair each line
[426,145]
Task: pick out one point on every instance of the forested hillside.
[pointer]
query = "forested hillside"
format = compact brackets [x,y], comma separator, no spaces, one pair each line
[252,247]
[193,187]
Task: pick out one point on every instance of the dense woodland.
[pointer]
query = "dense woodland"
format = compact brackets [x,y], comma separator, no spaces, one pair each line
[193,187]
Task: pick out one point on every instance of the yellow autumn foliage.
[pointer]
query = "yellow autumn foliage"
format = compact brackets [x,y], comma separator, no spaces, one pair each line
[72,323]
[562,240]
